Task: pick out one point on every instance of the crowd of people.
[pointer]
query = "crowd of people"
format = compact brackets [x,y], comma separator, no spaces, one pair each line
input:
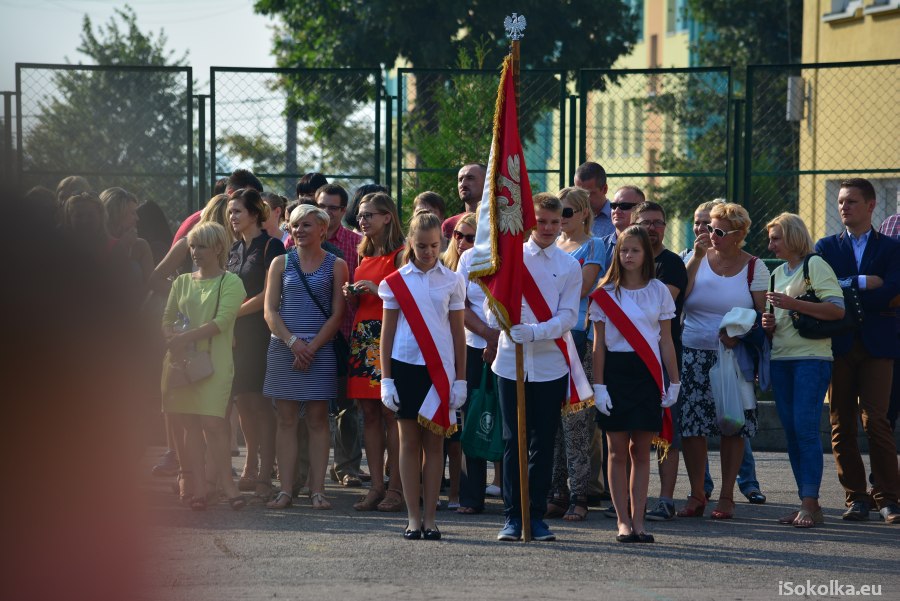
[280,315]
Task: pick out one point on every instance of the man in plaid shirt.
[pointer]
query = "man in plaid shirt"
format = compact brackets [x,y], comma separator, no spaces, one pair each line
[333,199]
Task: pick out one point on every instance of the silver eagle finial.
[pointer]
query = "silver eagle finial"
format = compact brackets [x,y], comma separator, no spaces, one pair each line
[515,26]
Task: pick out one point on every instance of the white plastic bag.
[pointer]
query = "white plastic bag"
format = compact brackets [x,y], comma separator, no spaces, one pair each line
[725,380]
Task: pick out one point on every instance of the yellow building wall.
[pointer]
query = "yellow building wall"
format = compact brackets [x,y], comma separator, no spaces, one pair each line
[851,119]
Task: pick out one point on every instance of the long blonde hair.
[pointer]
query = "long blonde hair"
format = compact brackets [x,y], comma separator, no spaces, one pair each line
[450,258]
[579,198]
[422,221]
[393,235]
[216,211]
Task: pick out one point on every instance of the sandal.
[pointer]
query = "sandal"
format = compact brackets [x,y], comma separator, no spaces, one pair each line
[579,502]
[247,483]
[281,501]
[719,514]
[237,503]
[263,490]
[469,510]
[198,503]
[808,519]
[692,512]
[370,501]
[557,504]
[318,501]
[392,502]
[788,519]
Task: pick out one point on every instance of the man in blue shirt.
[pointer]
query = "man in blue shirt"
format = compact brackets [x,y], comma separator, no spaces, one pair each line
[592,177]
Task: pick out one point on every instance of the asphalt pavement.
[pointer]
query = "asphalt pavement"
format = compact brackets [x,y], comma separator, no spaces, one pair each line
[342,554]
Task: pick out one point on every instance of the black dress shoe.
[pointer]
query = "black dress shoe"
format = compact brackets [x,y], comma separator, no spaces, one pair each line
[431,534]
[412,534]
[756,497]
[858,512]
[643,537]
[631,537]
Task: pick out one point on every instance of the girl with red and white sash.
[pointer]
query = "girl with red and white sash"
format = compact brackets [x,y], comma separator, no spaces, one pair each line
[632,315]
[425,380]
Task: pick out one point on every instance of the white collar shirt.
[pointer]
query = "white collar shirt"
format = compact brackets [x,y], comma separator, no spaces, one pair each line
[474,299]
[558,277]
[447,292]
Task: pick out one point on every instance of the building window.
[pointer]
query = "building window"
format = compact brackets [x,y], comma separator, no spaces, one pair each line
[842,10]
[637,11]
[611,131]
[637,130]
[626,127]
[676,16]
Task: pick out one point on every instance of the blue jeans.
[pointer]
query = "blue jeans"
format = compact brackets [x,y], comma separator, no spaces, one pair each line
[800,387]
[746,478]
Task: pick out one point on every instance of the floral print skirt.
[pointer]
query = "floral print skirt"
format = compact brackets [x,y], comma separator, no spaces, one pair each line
[698,408]
[364,374]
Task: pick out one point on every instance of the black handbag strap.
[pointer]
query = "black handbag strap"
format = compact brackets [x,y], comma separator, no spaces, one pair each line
[295,262]
[216,310]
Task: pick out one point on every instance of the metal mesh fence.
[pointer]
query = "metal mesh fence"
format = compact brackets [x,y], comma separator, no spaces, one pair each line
[664,130]
[283,123]
[129,127]
[810,126]
[445,120]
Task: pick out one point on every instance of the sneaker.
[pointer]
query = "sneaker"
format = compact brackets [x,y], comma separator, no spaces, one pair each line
[540,531]
[512,530]
[492,490]
[167,465]
[662,513]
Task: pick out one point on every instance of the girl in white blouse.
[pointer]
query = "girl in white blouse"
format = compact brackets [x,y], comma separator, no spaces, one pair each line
[424,381]
[628,372]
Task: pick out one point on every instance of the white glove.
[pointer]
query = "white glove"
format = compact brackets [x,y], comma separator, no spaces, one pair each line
[389,396]
[671,396]
[458,395]
[601,399]
[521,333]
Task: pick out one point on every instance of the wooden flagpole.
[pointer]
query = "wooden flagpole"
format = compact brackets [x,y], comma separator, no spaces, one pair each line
[525,497]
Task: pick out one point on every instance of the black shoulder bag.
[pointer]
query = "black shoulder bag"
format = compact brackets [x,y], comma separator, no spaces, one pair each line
[810,327]
[340,345]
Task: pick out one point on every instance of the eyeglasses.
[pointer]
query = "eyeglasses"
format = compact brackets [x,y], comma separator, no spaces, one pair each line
[368,216]
[655,223]
[330,208]
[470,238]
[567,212]
[625,206]
[718,232]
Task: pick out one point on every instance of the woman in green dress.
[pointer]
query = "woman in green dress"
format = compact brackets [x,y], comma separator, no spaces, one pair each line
[199,317]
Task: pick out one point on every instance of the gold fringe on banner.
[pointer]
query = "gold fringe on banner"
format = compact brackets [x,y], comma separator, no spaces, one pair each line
[662,447]
[573,408]
[437,429]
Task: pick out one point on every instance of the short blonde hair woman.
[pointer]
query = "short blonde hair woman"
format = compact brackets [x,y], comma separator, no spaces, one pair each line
[721,276]
[800,367]
[201,313]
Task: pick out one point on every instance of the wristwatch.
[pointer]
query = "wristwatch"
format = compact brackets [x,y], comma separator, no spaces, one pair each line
[290,341]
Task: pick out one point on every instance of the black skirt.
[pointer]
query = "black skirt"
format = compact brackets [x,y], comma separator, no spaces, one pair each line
[413,384]
[636,399]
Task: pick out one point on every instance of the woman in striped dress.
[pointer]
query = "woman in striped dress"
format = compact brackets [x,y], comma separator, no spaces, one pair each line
[301,368]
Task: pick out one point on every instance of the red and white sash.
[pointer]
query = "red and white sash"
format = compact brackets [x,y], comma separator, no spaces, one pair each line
[580,393]
[431,333]
[640,334]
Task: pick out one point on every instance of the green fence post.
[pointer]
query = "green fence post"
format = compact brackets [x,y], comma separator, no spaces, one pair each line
[201,150]
[747,172]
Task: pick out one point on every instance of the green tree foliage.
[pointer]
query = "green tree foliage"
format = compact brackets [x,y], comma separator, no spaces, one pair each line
[736,33]
[427,34]
[120,126]
[423,34]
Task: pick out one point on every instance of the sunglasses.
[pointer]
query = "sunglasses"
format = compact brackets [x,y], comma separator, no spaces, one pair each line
[718,232]
[625,206]
[470,238]
[567,212]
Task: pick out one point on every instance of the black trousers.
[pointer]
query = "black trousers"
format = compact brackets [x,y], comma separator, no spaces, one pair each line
[543,404]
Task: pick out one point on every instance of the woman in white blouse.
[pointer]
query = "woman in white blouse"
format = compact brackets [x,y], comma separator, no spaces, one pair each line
[721,276]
